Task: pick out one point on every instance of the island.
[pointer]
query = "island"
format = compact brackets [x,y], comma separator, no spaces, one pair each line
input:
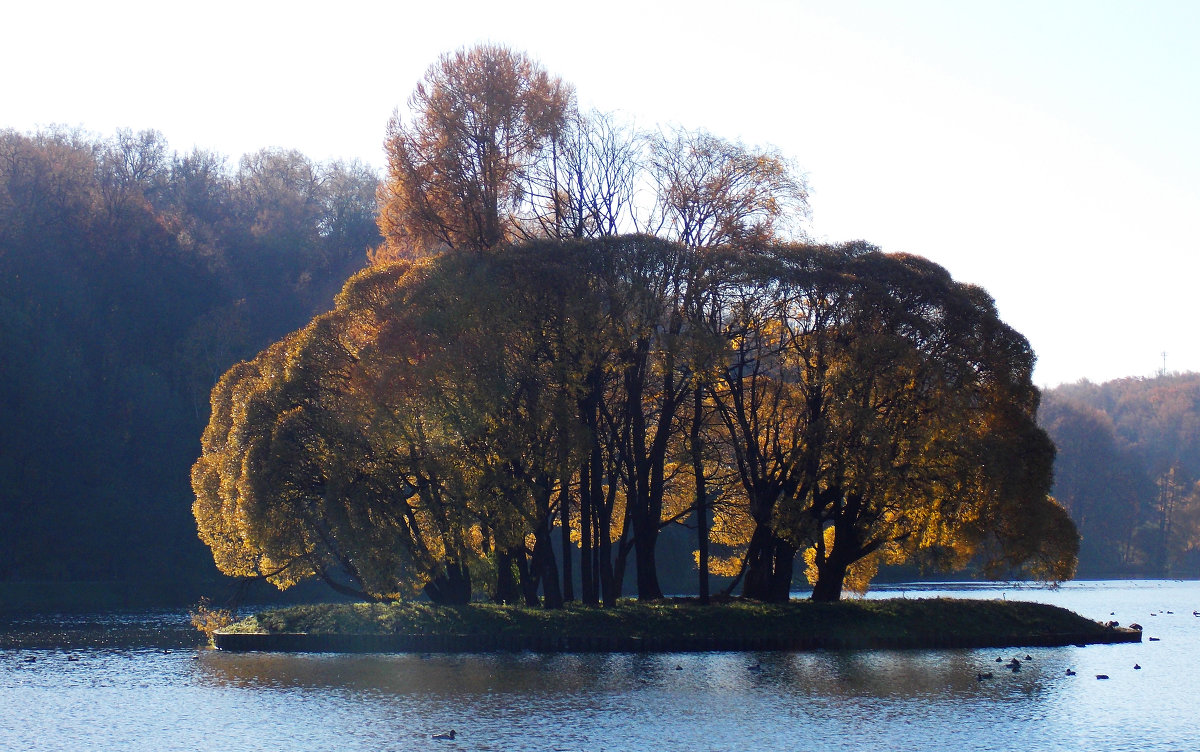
[673,625]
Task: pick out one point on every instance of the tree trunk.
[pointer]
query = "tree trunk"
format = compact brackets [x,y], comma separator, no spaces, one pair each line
[587,578]
[768,566]
[564,515]
[647,566]
[506,585]
[701,493]
[453,588]
[781,577]
[608,583]
[544,567]
[528,580]
[830,576]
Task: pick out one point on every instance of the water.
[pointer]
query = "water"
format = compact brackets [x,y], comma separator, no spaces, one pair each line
[139,682]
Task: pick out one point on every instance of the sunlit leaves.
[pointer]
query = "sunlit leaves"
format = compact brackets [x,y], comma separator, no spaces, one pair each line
[857,407]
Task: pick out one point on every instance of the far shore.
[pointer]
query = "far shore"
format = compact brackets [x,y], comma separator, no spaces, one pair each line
[668,626]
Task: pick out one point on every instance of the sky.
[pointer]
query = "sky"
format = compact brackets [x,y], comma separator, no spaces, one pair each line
[1046,151]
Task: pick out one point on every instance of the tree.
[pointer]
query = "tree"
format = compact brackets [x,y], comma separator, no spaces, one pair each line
[876,408]
[712,192]
[322,459]
[482,117]
[586,184]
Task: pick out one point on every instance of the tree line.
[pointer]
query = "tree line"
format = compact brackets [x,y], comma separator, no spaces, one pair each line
[574,330]
[131,277]
[1127,470]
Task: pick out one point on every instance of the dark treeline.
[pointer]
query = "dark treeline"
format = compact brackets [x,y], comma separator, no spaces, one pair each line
[1127,470]
[131,277]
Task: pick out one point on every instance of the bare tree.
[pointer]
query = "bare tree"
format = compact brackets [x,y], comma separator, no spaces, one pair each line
[711,191]
[586,185]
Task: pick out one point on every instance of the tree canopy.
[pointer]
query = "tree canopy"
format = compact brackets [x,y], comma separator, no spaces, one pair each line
[431,430]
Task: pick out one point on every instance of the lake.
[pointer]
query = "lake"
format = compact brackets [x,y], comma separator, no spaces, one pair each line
[139,681]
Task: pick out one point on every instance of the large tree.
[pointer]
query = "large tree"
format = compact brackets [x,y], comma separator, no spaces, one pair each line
[457,170]
[712,192]
[874,407]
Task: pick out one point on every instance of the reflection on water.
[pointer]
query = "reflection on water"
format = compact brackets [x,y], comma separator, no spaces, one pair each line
[137,682]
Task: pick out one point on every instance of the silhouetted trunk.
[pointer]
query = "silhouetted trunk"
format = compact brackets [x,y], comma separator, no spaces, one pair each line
[589,493]
[564,516]
[781,577]
[769,562]
[647,566]
[507,591]
[452,588]
[545,569]
[701,493]
[526,578]
[586,556]
[608,582]
[830,577]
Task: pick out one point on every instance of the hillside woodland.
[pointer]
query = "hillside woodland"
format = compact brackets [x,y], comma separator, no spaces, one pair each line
[1127,469]
[131,277]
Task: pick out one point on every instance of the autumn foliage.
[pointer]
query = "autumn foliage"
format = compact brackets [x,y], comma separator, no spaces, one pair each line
[433,430]
[576,331]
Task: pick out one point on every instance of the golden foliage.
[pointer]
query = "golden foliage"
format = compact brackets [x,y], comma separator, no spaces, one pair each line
[207,619]
[481,117]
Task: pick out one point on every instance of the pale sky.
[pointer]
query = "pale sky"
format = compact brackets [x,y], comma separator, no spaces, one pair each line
[1046,151]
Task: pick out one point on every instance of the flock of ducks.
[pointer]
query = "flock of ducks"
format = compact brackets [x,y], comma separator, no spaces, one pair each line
[1014,665]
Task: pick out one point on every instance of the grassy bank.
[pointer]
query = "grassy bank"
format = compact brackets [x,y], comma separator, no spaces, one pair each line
[672,626]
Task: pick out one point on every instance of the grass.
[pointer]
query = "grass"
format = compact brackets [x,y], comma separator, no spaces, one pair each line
[850,622]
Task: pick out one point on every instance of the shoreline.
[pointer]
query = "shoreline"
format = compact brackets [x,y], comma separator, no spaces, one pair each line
[893,624]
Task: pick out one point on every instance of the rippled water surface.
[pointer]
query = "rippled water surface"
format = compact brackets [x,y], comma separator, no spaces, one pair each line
[139,682]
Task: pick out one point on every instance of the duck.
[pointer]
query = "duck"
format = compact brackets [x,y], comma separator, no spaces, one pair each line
[983,676]
[1070,672]
[445,736]
[1028,657]
[1136,667]
[1101,676]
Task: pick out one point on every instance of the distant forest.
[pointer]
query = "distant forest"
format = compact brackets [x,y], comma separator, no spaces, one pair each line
[1127,471]
[132,277]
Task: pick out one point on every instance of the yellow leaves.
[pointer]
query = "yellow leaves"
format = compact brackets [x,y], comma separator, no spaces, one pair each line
[721,566]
